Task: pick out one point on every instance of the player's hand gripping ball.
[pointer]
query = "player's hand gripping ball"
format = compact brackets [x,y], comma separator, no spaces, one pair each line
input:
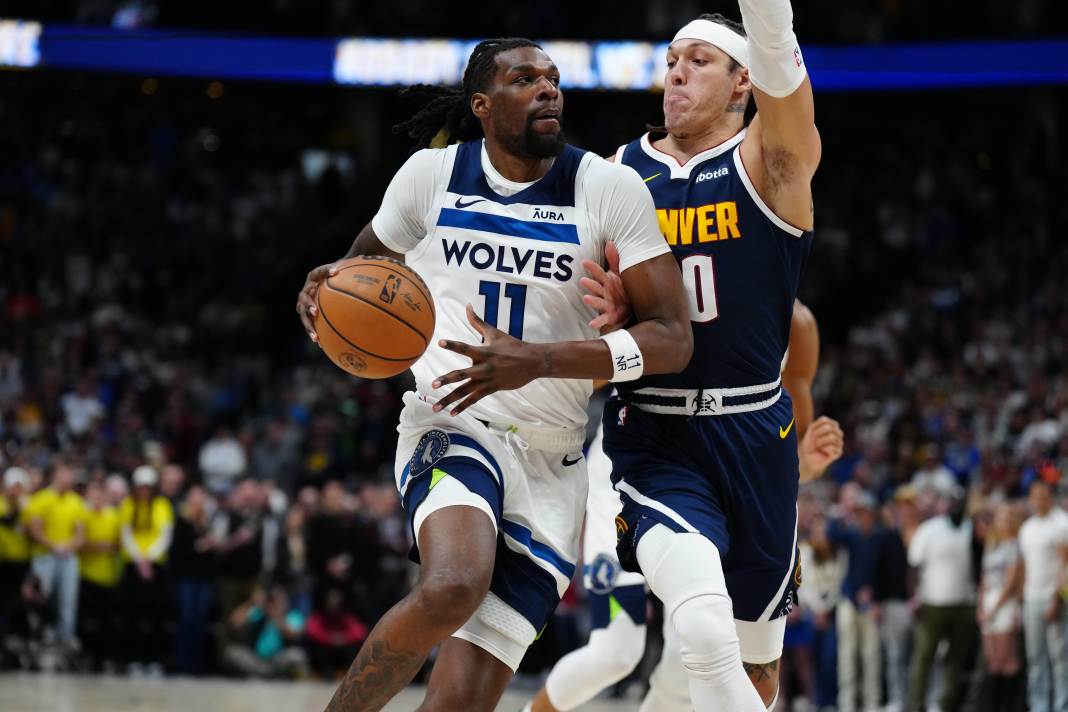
[374,316]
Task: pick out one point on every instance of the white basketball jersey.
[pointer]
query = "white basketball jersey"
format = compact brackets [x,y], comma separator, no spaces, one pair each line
[514,252]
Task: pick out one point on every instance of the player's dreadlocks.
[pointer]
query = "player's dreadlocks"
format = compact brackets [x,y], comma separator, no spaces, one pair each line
[449,108]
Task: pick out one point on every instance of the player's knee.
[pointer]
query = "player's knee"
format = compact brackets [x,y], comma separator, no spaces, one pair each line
[448,598]
[621,650]
[708,641]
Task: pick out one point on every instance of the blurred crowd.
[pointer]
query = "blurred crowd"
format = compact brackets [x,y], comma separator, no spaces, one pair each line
[102,572]
[229,492]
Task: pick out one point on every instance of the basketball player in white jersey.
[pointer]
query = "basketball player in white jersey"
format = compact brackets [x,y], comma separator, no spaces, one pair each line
[494,483]
[617,598]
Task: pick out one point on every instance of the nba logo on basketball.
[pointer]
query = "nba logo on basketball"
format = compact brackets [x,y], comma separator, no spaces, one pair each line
[389,289]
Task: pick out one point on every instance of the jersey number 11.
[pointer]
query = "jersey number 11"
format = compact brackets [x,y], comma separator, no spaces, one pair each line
[515,293]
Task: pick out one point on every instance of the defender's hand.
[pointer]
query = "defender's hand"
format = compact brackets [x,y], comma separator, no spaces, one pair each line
[606,293]
[821,446]
[502,363]
[306,297]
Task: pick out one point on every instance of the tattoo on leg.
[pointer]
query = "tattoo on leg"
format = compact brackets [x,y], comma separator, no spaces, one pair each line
[377,674]
[759,673]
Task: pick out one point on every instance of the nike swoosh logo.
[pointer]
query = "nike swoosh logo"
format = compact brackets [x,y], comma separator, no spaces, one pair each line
[646,180]
[569,463]
[784,433]
[461,204]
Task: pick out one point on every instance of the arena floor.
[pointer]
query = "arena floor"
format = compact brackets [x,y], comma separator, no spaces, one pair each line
[21,692]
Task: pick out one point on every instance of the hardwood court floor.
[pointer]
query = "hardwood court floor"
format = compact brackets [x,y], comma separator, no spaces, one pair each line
[23,692]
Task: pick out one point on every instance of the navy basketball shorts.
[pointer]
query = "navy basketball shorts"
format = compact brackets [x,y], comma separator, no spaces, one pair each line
[730,478]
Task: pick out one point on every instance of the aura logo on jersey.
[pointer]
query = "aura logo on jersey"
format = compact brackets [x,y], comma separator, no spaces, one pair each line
[708,223]
[508,259]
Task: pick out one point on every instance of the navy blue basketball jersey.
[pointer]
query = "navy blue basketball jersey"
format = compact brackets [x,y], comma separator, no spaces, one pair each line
[741,265]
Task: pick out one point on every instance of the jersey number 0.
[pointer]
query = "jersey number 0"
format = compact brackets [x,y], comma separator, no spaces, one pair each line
[700,281]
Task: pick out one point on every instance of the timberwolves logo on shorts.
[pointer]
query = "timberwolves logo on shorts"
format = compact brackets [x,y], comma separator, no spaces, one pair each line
[603,574]
[431,448]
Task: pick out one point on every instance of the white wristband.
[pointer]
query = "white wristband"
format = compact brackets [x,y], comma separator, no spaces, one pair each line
[627,361]
[776,66]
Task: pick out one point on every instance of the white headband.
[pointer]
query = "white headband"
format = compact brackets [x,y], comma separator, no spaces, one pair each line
[716,35]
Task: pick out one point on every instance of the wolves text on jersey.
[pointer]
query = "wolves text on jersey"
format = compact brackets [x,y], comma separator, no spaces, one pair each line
[508,259]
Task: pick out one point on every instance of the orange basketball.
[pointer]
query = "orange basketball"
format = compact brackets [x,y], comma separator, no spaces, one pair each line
[376,317]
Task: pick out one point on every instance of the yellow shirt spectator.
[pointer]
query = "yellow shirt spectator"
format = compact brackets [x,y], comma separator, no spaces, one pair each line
[146,528]
[14,541]
[104,568]
[60,515]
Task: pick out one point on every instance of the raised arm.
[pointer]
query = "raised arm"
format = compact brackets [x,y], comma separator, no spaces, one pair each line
[782,148]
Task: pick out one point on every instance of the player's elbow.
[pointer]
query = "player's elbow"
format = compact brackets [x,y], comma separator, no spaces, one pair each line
[680,344]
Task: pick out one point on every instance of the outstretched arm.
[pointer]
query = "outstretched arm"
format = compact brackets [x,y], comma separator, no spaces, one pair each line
[782,149]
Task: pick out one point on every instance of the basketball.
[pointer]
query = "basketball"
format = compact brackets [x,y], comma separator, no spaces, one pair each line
[376,317]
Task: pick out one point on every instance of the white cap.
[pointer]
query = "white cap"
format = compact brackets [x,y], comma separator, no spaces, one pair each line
[16,476]
[145,475]
[716,35]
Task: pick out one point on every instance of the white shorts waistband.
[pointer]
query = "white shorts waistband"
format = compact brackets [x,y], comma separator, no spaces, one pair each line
[560,440]
[705,401]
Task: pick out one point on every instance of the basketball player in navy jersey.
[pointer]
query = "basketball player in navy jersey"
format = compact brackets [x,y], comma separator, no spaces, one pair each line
[617,599]
[489,464]
[706,461]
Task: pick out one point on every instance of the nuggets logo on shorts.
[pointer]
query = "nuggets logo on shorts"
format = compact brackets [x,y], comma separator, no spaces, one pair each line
[603,574]
[431,448]
[797,573]
[621,527]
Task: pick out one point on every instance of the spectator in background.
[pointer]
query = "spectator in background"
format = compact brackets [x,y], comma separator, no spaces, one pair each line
[238,529]
[270,632]
[147,529]
[342,549]
[933,477]
[1044,551]
[941,550]
[222,461]
[14,541]
[101,571]
[824,566]
[117,489]
[858,612]
[82,408]
[291,570]
[891,594]
[998,611]
[56,522]
[172,483]
[193,567]
[276,456]
[334,636]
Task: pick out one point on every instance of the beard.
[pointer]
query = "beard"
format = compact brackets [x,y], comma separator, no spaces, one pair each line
[536,145]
